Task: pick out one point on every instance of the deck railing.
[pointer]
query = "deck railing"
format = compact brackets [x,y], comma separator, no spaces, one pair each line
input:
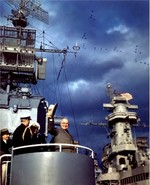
[50,147]
[5,161]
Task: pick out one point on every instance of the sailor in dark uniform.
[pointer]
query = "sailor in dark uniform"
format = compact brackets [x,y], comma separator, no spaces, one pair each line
[23,134]
[60,135]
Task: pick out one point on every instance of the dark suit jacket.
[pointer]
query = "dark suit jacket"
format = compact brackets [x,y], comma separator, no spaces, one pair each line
[5,148]
[61,136]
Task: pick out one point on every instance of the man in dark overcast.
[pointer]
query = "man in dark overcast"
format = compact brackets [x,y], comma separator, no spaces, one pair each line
[23,134]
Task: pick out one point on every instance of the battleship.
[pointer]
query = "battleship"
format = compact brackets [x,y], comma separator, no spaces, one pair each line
[124,160]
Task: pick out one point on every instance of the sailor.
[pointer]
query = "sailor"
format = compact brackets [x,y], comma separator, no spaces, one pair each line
[60,135]
[37,138]
[23,134]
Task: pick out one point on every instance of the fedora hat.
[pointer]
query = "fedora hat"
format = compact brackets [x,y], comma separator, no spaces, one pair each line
[4,132]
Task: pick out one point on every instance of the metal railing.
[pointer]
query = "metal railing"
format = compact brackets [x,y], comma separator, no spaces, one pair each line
[60,146]
[5,161]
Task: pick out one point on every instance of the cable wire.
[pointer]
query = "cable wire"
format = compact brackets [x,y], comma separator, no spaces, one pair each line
[71,106]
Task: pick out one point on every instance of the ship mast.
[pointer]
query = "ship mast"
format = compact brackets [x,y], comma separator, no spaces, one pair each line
[20,66]
[19,63]
[18,60]
[120,122]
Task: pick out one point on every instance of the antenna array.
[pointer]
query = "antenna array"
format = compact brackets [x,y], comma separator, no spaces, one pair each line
[29,7]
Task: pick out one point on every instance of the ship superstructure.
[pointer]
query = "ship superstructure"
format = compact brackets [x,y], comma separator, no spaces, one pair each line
[124,160]
[19,68]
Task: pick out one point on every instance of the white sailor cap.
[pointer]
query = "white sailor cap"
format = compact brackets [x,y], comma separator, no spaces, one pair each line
[25,115]
[35,124]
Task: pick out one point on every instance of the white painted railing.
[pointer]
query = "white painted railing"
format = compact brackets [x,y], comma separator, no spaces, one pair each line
[60,146]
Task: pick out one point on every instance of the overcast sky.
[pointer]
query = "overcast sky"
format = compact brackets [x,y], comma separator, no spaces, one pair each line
[113,40]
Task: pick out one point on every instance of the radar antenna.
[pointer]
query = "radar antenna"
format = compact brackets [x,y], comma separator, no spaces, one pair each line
[25,8]
[110,92]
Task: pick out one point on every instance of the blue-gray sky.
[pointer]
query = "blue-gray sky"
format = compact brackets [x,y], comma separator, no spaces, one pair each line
[114,47]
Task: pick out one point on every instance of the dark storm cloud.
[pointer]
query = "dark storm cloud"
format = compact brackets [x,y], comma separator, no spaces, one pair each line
[110,35]
[113,39]
[79,18]
[92,71]
[138,18]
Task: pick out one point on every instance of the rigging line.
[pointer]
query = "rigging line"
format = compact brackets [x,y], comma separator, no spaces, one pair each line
[49,40]
[54,79]
[53,76]
[71,105]
[107,131]
[10,4]
[60,100]
[62,65]
[36,89]
[40,33]
[47,85]
[59,94]
[56,85]
[43,44]
[63,61]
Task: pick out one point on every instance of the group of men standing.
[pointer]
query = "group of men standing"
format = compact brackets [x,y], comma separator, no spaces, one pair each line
[27,134]
[24,134]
